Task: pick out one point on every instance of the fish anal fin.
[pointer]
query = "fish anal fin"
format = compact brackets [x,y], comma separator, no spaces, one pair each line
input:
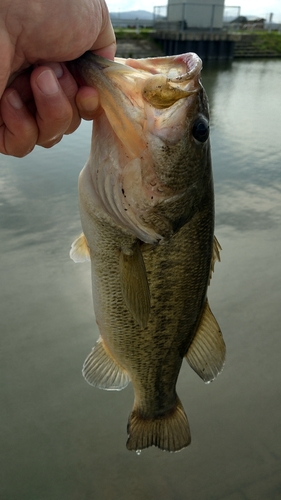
[102,371]
[206,354]
[134,284]
[169,432]
[79,251]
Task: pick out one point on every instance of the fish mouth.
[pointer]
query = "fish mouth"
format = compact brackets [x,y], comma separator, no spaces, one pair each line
[167,79]
[125,85]
[173,78]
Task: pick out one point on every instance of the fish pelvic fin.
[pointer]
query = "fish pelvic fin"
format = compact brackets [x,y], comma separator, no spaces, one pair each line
[134,284]
[169,432]
[79,251]
[101,370]
[206,354]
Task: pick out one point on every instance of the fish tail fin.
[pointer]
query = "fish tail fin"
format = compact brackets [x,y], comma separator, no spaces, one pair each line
[170,431]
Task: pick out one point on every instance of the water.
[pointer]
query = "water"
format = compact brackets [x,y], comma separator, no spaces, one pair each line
[60,439]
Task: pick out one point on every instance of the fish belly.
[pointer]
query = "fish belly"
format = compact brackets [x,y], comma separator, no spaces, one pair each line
[150,356]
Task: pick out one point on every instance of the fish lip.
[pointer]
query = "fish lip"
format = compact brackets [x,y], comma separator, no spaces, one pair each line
[193,62]
[79,68]
[190,60]
[190,64]
[165,79]
[73,68]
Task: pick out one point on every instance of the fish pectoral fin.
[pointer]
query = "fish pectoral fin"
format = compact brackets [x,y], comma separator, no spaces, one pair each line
[101,370]
[79,251]
[134,284]
[206,354]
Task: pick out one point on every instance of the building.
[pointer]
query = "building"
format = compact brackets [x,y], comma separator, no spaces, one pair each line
[189,14]
[249,22]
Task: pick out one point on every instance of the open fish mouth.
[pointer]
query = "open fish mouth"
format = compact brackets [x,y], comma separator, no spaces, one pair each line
[127,85]
[173,78]
[166,79]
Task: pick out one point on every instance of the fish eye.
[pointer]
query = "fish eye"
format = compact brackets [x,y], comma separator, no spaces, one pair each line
[200,129]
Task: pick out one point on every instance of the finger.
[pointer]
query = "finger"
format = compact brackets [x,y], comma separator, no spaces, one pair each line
[21,84]
[108,52]
[87,100]
[105,44]
[54,111]
[70,88]
[18,129]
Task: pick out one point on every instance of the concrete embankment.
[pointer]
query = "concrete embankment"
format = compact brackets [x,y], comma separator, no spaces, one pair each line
[258,45]
[137,47]
[243,45]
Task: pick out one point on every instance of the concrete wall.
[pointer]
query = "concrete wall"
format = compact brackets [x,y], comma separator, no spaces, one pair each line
[205,15]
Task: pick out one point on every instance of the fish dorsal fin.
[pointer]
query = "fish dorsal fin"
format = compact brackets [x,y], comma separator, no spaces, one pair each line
[79,251]
[134,284]
[206,354]
[101,370]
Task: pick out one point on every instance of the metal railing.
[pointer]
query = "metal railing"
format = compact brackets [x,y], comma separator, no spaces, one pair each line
[136,23]
[193,15]
[183,16]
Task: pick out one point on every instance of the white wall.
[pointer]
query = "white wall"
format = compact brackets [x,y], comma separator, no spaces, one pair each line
[202,14]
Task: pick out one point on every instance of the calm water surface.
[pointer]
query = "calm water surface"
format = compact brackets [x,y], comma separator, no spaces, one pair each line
[60,439]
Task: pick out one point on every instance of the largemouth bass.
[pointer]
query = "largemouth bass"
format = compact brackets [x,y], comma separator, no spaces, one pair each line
[147,213]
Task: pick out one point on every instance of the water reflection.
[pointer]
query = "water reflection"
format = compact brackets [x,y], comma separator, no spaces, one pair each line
[245,109]
[62,439]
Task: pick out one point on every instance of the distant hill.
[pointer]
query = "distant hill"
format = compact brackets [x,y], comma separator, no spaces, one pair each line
[228,19]
[132,14]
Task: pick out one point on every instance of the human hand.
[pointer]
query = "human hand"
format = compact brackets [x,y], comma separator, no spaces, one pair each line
[40,100]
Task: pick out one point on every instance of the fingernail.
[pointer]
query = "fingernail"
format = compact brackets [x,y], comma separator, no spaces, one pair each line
[57,69]
[15,100]
[47,83]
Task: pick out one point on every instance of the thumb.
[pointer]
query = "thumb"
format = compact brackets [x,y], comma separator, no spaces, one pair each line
[108,52]
[105,44]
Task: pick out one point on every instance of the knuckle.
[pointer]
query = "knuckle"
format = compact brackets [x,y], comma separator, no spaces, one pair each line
[52,128]
[18,145]
[74,125]
[24,152]
[47,144]
[16,150]
[51,132]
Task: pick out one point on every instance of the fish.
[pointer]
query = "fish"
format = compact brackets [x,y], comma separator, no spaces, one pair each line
[147,212]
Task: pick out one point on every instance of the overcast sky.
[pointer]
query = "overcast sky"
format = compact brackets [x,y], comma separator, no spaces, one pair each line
[260,8]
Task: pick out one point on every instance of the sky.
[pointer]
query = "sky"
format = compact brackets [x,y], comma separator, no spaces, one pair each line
[261,8]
